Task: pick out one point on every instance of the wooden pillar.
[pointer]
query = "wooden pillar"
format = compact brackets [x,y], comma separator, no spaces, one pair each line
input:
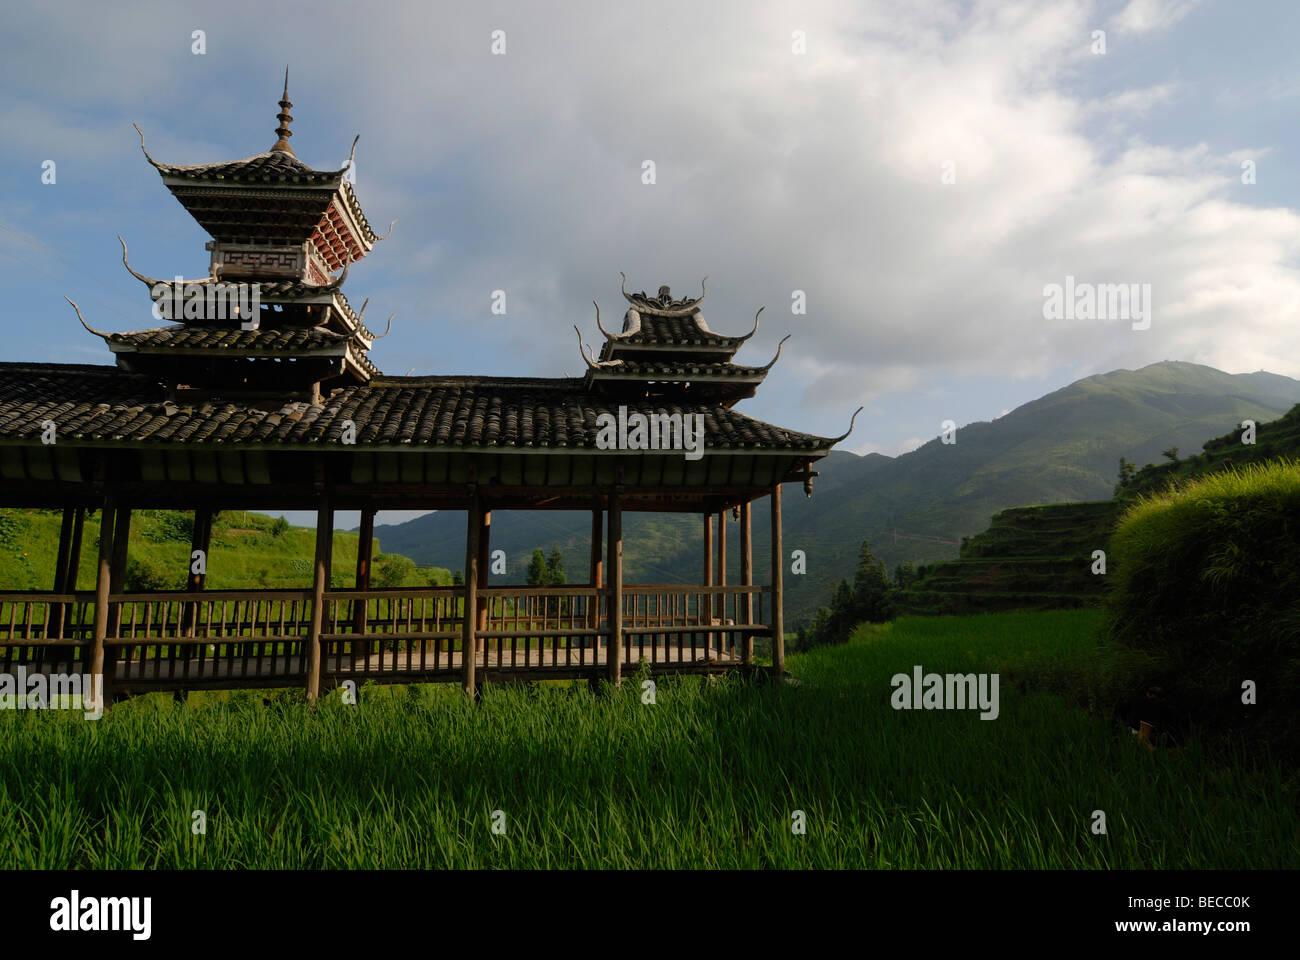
[721,577]
[614,571]
[65,550]
[468,641]
[121,543]
[55,615]
[74,554]
[117,582]
[484,567]
[747,578]
[706,599]
[365,553]
[200,539]
[597,566]
[778,584]
[103,581]
[320,583]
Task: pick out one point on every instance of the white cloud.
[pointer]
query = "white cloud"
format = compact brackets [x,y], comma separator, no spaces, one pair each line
[1143,16]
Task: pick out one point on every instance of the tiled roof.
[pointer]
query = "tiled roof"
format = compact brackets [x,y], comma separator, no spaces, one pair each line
[274,166]
[677,331]
[677,370]
[99,404]
[231,338]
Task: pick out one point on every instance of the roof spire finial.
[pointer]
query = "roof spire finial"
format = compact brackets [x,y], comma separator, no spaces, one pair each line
[283,131]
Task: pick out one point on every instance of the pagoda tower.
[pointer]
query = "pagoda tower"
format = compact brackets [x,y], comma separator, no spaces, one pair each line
[666,352]
[270,320]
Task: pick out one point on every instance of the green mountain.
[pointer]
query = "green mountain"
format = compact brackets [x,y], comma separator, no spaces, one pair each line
[1063,447]
[1033,558]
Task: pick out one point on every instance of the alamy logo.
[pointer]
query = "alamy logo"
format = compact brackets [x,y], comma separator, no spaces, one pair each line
[207,301]
[952,691]
[54,691]
[75,913]
[1098,301]
[658,431]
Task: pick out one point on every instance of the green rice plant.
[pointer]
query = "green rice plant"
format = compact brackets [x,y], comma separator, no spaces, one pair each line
[708,777]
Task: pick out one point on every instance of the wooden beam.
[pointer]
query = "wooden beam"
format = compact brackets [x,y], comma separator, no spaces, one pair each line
[365,554]
[320,582]
[747,578]
[468,639]
[778,589]
[614,570]
[103,580]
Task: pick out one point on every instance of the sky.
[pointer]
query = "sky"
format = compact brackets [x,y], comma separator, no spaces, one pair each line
[915,173]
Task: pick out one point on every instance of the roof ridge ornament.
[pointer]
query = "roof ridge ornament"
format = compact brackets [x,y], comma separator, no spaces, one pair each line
[773,361]
[755,330]
[97,333]
[630,328]
[154,163]
[662,304]
[592,362]
[283,131]
[852,420]
[152,282]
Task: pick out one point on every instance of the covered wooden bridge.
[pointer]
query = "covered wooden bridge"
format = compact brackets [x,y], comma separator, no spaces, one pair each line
[279,408]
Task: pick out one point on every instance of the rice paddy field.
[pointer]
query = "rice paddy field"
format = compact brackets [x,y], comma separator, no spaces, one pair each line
[711,775]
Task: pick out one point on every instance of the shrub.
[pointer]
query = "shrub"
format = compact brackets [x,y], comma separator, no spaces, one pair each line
[279,527]
[145,575]
[1205,577]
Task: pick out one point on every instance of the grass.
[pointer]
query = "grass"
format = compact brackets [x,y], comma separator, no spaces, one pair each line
[707,777]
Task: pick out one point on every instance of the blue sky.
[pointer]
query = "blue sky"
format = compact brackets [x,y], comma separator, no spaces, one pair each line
[775,171]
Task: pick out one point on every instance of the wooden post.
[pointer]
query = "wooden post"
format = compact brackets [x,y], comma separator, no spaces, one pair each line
[778,583]
[614,565]
[320,582]
[468,641]
[200,539]
[74,555]
[103,580]
[54,617]
[597,567]
[484,567]
[121,543]
[65,550]
[721,578]
[706,599]
[116,583]
[747,578]
[365,553]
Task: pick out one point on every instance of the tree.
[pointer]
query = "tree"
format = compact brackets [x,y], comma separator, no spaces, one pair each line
[1127,468]
[1171,453]
[279,527]
[393,570]
[458,578]
[904,575]
[872,591]
[555,568]
[537,569]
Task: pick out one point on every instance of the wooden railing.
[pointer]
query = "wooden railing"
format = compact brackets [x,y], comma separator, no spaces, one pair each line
[239,638]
